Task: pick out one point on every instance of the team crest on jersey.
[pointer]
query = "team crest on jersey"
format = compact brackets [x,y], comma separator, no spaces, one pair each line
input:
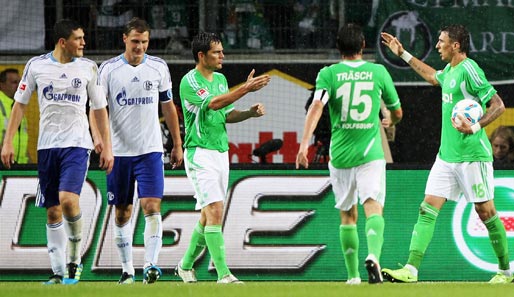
[121,97]
[223,89]
[147,85]
[453,83]
[202,93]
[48,91]
[76,83]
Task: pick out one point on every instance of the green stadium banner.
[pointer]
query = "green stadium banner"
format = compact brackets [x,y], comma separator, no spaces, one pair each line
[416,23]
[278,225]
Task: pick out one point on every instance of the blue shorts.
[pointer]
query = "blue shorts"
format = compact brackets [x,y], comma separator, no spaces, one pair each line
[147,170]
[60,169]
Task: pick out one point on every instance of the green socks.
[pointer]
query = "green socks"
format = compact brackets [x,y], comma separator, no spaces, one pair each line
[422,233]
[375,234]
[350,245]
[498,238]
[216,246]
[196,246]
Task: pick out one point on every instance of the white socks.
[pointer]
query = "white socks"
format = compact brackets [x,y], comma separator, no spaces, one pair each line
[153,237]
[152,240]
[412,269]
[56,243]
[123,240]
[73,228]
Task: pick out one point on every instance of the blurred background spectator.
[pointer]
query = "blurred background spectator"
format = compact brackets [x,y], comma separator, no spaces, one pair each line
[109,18]
[9,80]
[168,20]
[246,27]
[502,140]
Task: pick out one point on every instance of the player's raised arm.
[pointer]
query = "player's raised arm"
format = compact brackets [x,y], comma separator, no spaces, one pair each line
[252,84]
[424,70]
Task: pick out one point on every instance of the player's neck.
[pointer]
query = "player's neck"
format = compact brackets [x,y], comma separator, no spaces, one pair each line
[134,61]
[61,57]
[207,73]
[457,58]
[352,57]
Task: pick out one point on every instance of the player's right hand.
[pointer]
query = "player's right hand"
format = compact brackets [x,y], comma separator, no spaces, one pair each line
[7,155]
[392,43]
[99,145]
[302,160]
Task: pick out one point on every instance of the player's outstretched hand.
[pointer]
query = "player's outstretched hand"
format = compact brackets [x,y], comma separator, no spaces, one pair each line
[256,83]
[392,43]
[301,160]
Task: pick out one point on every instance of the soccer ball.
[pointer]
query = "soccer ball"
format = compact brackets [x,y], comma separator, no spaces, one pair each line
[470,109]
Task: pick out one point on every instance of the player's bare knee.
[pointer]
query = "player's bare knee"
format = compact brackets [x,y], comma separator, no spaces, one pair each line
[485,210]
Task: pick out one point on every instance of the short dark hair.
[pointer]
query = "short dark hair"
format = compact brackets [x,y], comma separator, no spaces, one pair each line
[3,74]
[137,24]
[460,34]
[64,28]
[350,39]
[202,43]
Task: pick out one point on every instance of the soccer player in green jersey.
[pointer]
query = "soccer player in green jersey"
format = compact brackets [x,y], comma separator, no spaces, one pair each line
[208,106]
[464,162]
[353,90]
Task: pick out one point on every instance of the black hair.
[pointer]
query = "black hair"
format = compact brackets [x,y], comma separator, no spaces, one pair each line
[137,24]
[460,34]
[350,39]
[64,28]
[202,43]
[3,74]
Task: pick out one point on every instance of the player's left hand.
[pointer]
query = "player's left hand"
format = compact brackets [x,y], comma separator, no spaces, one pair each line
[176,157]
[387,123]
[257,110]
[462,124]
[106,161]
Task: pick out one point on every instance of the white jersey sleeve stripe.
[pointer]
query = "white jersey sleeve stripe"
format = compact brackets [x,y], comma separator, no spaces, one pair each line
[472,72]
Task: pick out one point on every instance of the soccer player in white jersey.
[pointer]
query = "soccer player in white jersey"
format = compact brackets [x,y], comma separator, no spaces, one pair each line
[464,162]
[208,105]
[64,82]
[353,90]
[135,84]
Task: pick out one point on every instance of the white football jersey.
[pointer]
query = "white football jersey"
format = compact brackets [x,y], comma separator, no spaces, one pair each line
[63,91]
[133,99]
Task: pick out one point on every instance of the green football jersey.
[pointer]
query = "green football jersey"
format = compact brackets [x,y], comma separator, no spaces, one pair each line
[355,89]
[465,80]
[205,127]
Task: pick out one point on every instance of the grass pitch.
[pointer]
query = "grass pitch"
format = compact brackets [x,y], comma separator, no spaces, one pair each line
[256,289]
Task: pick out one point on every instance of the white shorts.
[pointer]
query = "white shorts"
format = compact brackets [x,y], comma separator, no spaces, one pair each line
[473,179]
[208,172]
[361,182]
